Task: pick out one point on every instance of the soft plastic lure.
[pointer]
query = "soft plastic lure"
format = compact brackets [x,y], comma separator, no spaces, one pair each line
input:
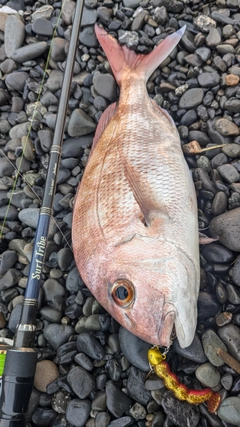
[180,391]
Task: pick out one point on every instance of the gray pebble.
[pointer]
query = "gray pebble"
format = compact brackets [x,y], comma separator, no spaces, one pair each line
[8,66]
[89,345]
[42,27]
[211,342]
[232,105]
[208,375]
[51,314]
[226,228]
[29,216]
[235,272]
[7,260]
[15,318]
[84,361]
[135,386]
[78,412]
[88,37]
[232,150]
[208,79]
[14,34]
[58,53]
[30,51]
[193,352]
[57,335]
[213,38]
[138,412]
[233,294]
[105,85]
[219,203]
[230,335]
[81,382]
[117,401]
[102,419]
[43,12]
[54,293]
[191,98]
[121,422]
[215,253]
[134,349]
[229,410]
[180,413]
[80,124]
[11,211]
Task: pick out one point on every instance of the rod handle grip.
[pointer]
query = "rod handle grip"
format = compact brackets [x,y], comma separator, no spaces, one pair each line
[17,383]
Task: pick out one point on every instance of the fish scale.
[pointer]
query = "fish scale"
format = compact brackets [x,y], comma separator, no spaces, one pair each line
[135,215]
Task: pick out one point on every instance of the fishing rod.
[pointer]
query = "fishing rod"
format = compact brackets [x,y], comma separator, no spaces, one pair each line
[21,358]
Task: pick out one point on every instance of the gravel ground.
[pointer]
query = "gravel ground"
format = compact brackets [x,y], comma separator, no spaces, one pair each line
[91,372]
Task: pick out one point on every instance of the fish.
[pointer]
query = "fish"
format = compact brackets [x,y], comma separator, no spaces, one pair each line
[135,228]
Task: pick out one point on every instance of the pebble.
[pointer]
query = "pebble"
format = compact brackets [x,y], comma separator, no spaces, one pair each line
[60,401]
[134,349]
[235,272]
[7,260]
[193,352]
[117,401]
[57,335]
[81,382]
[191,98]
[29,216]
[31,51]
[208,375]
[102,419]
[229,410]
[43,416]
[225,228]
[80,124]
[211,342]
[89,345]
[14,34]
[46,372]
[226,127]
[42,27]
[135,386]
[230,335]
[180,413]
[78,412]
[208,79]
[105,86]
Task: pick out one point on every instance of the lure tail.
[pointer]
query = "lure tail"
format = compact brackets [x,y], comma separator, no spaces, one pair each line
[124,60]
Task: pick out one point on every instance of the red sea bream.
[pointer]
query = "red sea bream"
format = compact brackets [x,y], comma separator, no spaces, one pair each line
[135,229]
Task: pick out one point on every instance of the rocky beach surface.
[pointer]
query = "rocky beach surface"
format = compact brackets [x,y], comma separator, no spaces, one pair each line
[90,371]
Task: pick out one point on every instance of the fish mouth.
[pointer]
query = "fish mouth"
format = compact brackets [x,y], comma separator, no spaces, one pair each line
[166,327]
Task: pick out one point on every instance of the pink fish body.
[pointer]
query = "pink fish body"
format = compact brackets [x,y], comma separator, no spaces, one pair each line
[135,230]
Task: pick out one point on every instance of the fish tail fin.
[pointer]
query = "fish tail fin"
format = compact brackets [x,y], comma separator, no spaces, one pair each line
[123,59]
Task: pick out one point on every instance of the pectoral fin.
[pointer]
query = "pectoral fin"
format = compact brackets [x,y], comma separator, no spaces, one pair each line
[150,207]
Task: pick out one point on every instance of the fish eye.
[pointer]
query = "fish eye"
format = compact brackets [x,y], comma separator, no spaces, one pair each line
[123,292]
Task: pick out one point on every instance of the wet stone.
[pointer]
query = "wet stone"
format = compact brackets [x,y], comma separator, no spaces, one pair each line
[230,335]
[235,272]
[57,335]
[78,412]
[80,124]
[226,228]
[193,352]
[117,401]
[46,372]
[207,306]
[102,419]
[233,294]
[216,253]
[232,150]
[30,51]
[43,416]
[226,127]
[229,410]
[134,349]
[42,27]
[105,86]
[191,98]
[180,413]
[208,375]
[81,382]
[208,79]
[14,34]
[88,37]
[211,342]
[89,345]
[135,386]
[219,203]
